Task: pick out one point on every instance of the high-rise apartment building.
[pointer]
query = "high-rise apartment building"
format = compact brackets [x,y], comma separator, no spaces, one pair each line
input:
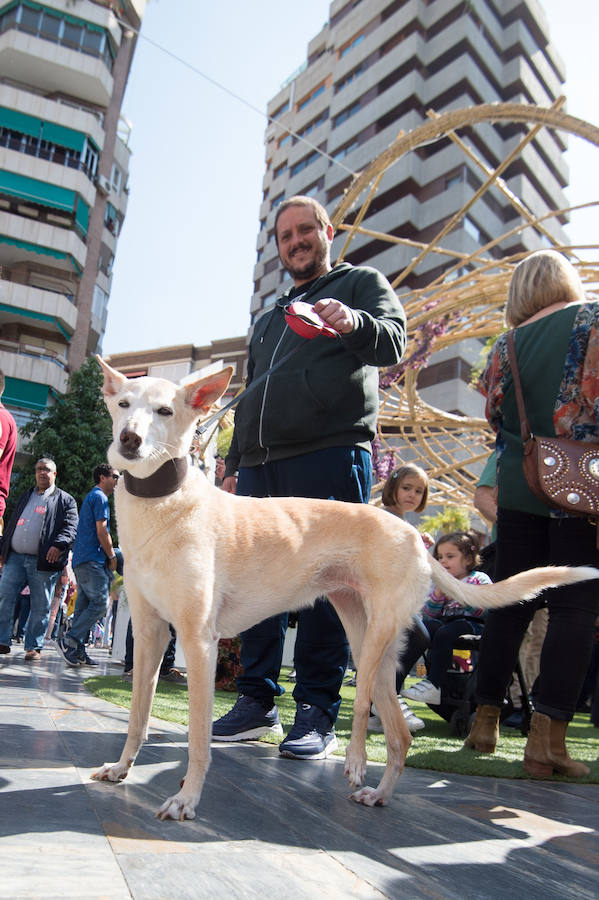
[64,163]
[374,70]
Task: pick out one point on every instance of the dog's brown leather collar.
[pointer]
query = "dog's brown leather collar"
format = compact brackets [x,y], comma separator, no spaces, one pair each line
[165,480]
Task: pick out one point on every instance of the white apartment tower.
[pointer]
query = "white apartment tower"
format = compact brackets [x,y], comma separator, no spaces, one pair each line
[374,70]
[64,164]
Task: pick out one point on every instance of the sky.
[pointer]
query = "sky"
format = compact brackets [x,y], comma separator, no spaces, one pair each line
[185,257]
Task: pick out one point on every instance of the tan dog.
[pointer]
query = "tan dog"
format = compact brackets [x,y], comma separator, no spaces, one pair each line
[214,564]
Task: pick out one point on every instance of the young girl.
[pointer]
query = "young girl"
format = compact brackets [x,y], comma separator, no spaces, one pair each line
[406,490]
[446,619]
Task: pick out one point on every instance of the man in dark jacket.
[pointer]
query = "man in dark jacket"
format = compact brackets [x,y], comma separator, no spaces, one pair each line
[306,433]
[34,551]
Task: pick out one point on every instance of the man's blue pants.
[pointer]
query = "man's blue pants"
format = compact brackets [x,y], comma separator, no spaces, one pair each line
[321,647]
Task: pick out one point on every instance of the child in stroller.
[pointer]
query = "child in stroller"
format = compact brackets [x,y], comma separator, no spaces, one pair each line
[450,690]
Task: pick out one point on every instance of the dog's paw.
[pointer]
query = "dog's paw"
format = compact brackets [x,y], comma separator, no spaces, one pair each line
[355,770]
[178,808]
[111,772]
[369,796]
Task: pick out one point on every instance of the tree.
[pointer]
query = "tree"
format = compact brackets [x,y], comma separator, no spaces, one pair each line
[75,433]
[451,518]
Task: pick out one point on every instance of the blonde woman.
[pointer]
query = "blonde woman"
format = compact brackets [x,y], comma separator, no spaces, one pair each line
[557,349]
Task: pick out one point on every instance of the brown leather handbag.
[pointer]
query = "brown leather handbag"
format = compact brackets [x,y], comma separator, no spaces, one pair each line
[561,472]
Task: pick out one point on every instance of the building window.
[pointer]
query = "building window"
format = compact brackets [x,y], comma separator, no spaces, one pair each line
[303,132]
[282,109]
[346,114]
[311,191]
[311,96]
[453,180]
[279,170]
[349,78]
[284,140]
[116,177]
[277,200]
[471,229]
[350,46]
[99,303]
[343,151]
[303,163]
[60,28]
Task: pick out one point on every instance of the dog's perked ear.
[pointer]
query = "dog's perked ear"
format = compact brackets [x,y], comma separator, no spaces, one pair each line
[113,380]
[202,393]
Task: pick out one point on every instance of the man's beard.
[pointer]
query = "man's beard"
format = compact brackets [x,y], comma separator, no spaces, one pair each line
[311,269]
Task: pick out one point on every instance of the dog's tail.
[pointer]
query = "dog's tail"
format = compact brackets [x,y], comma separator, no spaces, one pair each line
[523,586]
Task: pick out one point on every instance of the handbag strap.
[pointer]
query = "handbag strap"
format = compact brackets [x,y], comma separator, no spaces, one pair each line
[525,431]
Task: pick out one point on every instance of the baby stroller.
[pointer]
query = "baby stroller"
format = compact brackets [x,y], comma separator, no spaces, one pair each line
[458,703]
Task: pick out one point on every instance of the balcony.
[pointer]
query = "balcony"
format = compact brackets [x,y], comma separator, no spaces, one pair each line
[29,59]
[53,311]
[33,364]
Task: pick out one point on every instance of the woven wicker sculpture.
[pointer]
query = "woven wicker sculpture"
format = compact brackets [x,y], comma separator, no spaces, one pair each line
[447,311]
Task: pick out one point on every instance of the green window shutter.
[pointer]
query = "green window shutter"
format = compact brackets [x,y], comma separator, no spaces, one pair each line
[36,191]
[46,131]
[18,121]
[82,214]
[64,137]
[26,394]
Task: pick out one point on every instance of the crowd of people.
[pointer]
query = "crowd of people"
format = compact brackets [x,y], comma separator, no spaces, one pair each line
[307,432]
[304,447]
[50,551]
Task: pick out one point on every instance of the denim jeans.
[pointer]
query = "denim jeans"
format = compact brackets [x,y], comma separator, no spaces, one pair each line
[18,570]
[321,647]
[523,542]
[93,583]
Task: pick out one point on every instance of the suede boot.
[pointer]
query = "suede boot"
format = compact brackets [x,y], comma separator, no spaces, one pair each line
[485,730]
[546,753]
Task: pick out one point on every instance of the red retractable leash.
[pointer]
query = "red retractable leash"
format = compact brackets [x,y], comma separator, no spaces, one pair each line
[302,319]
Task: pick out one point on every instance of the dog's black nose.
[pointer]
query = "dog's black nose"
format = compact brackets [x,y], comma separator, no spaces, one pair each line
[129,441]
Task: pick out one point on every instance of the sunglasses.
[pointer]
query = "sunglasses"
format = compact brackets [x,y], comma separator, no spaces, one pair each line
[116,477]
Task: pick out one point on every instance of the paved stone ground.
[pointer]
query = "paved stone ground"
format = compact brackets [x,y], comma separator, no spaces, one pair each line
[266,827]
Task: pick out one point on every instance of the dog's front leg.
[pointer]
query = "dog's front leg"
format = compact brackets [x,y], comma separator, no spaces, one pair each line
[200,649]
[150,636]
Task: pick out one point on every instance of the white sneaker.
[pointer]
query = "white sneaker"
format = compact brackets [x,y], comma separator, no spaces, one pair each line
[413,722]
[423,692]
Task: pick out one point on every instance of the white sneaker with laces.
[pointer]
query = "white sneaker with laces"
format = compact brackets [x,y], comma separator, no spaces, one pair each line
[413,722]
[423,692]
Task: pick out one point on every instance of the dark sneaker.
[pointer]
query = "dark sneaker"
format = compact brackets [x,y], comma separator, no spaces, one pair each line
[248,720]
[88,661]
[312,735]
[4,648]
[174,676]
[72,656]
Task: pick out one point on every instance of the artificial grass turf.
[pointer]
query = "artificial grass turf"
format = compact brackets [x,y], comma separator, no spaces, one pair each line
[432,748]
